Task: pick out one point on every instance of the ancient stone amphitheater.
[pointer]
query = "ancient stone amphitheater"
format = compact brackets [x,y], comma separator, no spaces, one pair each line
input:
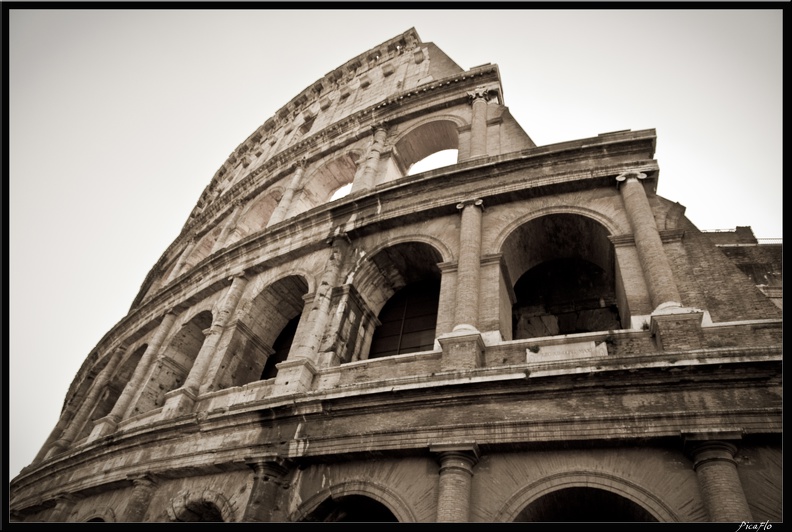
[529,334]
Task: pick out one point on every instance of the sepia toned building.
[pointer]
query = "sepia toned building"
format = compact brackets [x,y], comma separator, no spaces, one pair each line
[529,334]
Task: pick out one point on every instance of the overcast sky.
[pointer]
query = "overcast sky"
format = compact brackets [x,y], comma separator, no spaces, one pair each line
[119,119]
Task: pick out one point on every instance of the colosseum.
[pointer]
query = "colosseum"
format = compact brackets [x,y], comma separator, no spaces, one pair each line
[528,334]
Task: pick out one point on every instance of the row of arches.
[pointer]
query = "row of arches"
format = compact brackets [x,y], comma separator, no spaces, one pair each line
[396,303]
[573,503]
[429,145]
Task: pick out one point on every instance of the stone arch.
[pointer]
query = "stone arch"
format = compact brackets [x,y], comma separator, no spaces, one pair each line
[383,495]
[446,254]
[422,139]
[202,249]
[561,272]
[608,223]
[255,214]
[629,490]
[115,385]
[206,505]
[319,184]
[264,328]
[175,361]
[102,514]
[400,282]
[386,268]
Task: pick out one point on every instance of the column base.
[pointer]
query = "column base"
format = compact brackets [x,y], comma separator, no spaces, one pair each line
[677,328]
[462,349]
[103,427]
[294,376]
[178,402]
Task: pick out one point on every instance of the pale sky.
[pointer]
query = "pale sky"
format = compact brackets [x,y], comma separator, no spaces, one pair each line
[119,119]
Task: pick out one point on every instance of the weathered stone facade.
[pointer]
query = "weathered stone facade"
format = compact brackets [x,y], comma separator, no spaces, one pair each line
[531,334]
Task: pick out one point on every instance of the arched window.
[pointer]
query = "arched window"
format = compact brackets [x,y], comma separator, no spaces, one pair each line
[580,504]
[436,160]
[564,268]
[281,347]
[351,509]
[408,320]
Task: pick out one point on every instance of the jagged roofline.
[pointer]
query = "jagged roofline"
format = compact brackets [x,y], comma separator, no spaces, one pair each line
[408,39]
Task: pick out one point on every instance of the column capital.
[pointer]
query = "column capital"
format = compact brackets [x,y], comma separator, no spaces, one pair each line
[481,92]
[382,125]
[242,276]
[268,467]
[146,480]
[475,202]
[632,174]
[212,330]
[464,453]
[300,164]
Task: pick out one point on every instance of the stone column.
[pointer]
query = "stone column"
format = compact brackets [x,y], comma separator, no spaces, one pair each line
[268,477]
[456,476]
[285,202]
[226,311]
[109,423]
[719,482]
[63,421]
[64,504]
[296,373]
[478,122]
[467,289]
[181,262]
[229,226]
[143,488]
[368,177]
[654,262]
[81,416]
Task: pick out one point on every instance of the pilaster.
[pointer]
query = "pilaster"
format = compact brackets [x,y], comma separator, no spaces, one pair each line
[455,480]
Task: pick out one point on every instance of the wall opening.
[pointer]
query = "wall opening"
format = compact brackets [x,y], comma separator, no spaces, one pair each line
[263,333]
[351,509]
[563,296]
[341,192]
[407,321]
[563,269]
[438,139]
[172,370]
[436,160]
[281,346]
[583,505]
[113,390]
[404,284]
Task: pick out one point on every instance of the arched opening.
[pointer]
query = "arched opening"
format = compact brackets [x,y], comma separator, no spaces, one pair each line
[264,333]
[407,321]
[203,248]
[253,218]
[325,181]
[436,137]
[341,192]
[436,160]
[351,509]
[563,296]
[113,390]
[564,268]
[282,346]
[406,282]
[579,504]
[172,369]
[200,511]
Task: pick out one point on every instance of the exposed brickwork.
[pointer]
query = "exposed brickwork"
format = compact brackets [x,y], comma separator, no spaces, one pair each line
[649,331]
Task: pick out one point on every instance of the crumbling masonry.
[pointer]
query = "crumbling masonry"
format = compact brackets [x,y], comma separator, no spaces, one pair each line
[530,334]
